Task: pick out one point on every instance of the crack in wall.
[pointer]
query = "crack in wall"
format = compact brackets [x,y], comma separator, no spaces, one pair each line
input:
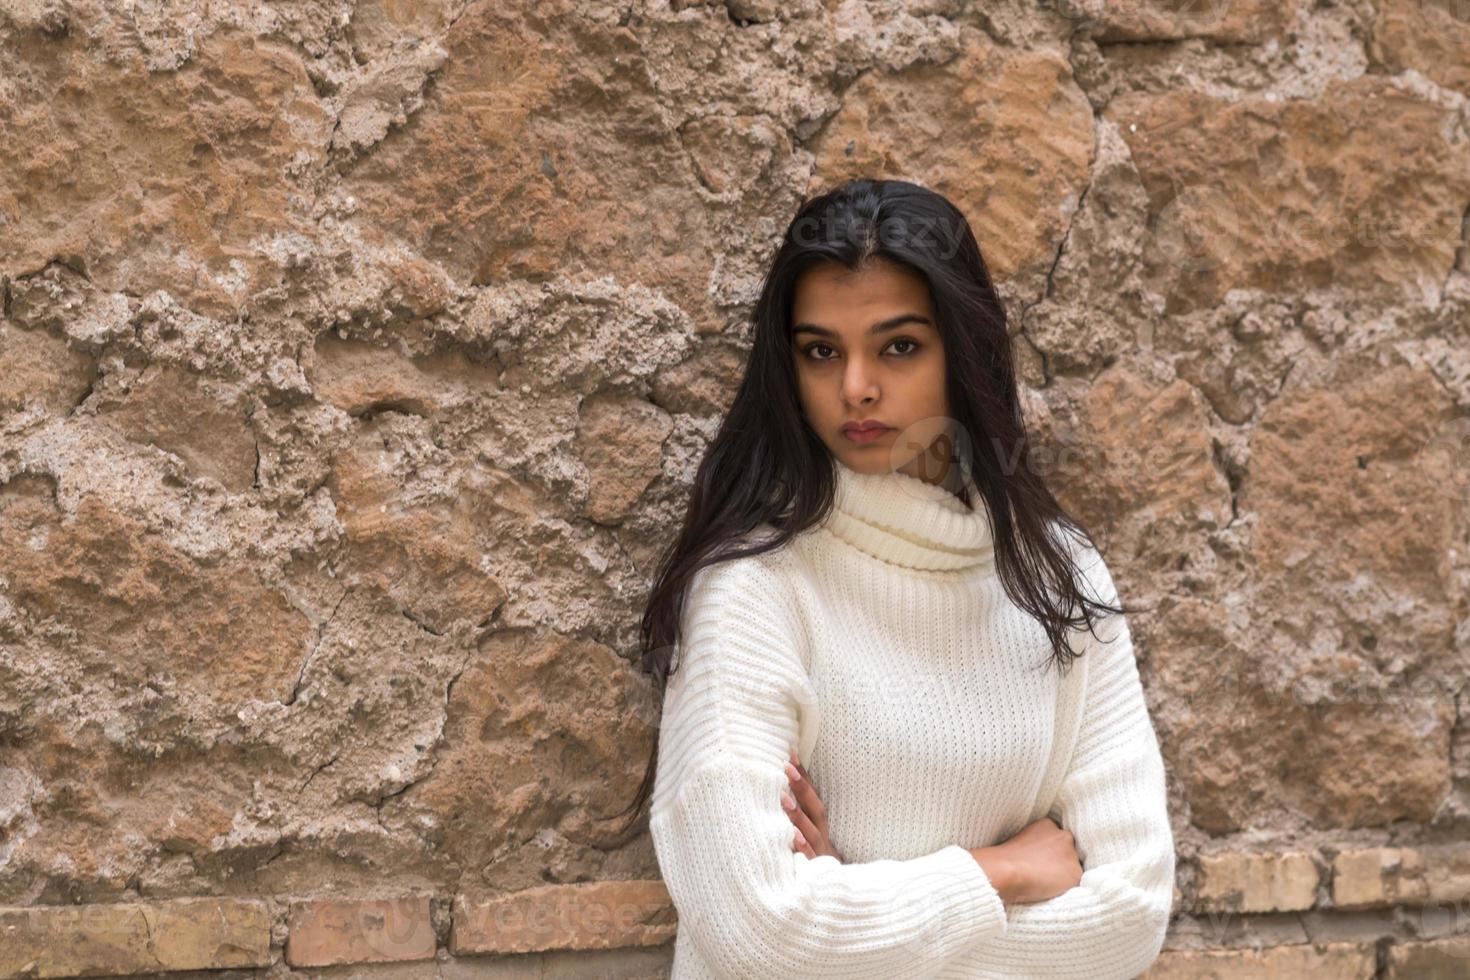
[311,654]
[417,621]
[432,752]
[1459,263]
[1234,478]
[316,772]
[1048,288]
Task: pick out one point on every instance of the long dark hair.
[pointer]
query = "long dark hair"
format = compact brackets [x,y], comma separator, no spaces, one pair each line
[766,466]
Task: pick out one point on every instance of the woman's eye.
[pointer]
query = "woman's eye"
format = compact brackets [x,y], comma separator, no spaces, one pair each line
[810,349]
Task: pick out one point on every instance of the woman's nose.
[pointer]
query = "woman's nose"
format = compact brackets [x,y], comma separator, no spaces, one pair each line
[859,384]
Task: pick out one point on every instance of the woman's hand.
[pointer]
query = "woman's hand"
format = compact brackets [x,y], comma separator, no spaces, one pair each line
[806,810]
[1038,862]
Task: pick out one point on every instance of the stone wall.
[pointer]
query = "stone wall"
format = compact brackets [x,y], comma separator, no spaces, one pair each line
[355,359]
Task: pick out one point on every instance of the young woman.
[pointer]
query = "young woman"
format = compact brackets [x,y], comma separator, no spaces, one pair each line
[876,756]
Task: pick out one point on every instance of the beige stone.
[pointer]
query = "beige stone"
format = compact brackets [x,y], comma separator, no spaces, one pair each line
[1446,872]
[181,413]
[1006,135]
[1267,882]
[1344,494]
[140,606]
[703,384]
[1378,876]
[528,179]
[531,702]
[426,556]
[191,821]
[1142,450]
[1440,959]
[166,179]
[1358,451]
[1165,20]
[1359,877]
[1310,757]
[556,343]
[1295,194]
[597,915]
[1330,961]
[328,932]
[621,442]
[360,377]
[37,368]
[180,934]
[1432,38]
[724,148]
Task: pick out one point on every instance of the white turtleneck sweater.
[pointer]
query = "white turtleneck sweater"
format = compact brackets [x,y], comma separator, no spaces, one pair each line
[882,645]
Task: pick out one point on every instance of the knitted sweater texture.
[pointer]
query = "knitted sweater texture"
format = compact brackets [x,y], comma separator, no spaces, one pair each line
[882,645]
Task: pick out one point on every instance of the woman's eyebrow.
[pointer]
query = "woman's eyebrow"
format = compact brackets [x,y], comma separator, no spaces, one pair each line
[890,324]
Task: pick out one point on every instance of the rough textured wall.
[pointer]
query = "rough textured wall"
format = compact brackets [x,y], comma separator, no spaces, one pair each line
[355,358]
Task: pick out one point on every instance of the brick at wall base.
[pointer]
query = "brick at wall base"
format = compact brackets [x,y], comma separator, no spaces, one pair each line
[173,934]
[1441,959]
[596,915]
[1257,882]
[1378,876]
[1331,961]
[329,932]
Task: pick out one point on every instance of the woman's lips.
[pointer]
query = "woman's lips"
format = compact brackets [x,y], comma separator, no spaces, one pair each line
[866,435]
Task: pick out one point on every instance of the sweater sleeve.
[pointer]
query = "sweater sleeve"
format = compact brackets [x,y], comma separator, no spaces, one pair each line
[753,906]
[1113,799]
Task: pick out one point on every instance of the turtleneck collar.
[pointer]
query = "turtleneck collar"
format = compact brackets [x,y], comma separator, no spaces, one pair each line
[909,522]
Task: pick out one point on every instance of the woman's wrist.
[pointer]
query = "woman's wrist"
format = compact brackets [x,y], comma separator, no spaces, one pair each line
[998,868]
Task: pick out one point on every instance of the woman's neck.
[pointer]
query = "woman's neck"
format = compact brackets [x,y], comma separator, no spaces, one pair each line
[911,522]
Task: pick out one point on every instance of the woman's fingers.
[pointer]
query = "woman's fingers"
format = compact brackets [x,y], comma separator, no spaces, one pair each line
[806,811]
[806,795]
[804,847]
[807,832]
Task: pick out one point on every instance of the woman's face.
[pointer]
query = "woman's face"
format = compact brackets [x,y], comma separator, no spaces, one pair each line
[867,348]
